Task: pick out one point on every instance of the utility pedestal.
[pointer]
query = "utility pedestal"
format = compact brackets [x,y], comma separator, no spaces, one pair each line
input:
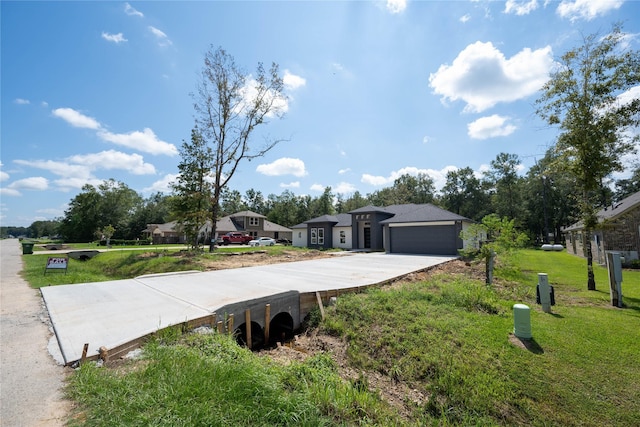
[545,292]
[614,264]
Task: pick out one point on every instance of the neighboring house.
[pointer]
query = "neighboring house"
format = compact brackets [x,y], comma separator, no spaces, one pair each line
[249,222]
[164,233]
[618,230]
[410,228]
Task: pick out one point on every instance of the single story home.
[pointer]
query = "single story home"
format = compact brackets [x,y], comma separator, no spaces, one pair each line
[166,233]
[408,228]
[618,230]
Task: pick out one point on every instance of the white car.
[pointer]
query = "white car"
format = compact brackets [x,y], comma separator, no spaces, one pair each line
[262,241]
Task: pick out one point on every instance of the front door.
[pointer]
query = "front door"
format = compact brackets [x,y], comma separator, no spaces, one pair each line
[367,237]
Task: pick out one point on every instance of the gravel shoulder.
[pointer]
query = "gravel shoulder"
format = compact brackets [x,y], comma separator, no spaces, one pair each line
[31,381]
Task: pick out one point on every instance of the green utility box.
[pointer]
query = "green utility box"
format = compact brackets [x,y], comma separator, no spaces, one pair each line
[27,248]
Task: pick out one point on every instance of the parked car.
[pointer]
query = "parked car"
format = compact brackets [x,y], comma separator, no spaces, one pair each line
[235,238]
[262,241]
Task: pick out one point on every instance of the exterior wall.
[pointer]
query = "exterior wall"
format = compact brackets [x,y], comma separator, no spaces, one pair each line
[319,235]
[370,221]
[342,237]
[299,237]
[621,234]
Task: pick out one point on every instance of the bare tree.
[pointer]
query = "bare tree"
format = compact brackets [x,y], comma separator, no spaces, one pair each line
[229,105]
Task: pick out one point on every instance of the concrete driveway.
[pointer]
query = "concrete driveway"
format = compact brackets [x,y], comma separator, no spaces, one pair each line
[113,313]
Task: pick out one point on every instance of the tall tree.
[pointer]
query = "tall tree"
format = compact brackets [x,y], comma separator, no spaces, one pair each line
[503,178]
[112,202]
[192,188]
[231,202]
[464,194]
[230,105]
[628,186]
[588,98]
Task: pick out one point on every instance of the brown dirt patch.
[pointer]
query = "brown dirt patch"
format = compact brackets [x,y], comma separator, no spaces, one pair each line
[253,258]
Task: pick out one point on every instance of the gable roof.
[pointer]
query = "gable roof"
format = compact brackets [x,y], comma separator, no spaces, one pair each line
[420,213]
[609,213]
[339,220]
[247,213]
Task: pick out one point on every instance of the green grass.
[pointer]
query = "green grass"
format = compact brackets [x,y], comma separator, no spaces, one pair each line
[121,263]
[207,380]
[113,265]
[447,337]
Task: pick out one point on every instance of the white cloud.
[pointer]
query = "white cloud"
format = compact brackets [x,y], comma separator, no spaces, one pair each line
[520,7]
[280,102]
[344,188]
[76,119]
[283,166]
[482,76]
[32,183]
[317,187]
[586,9]
[343,171]
[294,184]
[439,176]
[291,81]
[162,186]
[109,160]
[145,141]
[129,10]
[426,139]
[4,191]
[115,38]
[396,6]
[21,101]
[64,169]
[465,18]
[629,95]
[490,127]
[44,104]
[161,37]
[3,175]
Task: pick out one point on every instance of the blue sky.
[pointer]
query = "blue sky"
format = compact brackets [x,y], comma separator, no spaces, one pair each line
[99,90]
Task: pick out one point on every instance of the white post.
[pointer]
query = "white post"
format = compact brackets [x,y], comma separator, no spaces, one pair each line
[545,294]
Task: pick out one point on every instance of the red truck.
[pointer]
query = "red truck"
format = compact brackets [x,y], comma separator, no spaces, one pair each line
[236,238]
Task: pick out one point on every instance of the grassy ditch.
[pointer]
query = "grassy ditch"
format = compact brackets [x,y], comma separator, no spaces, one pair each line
[444,335]
[117,264]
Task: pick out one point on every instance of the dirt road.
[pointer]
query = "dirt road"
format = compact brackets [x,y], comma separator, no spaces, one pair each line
[30,379]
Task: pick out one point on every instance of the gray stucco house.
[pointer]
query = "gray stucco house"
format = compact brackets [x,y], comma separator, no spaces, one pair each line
[408,228]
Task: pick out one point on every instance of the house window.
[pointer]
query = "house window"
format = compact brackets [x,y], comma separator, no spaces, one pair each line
[253,221]
[299,234]
[343,237]
[314,236]
[321,236]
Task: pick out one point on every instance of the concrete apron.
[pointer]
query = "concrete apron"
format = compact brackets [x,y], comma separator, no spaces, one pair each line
[113,313]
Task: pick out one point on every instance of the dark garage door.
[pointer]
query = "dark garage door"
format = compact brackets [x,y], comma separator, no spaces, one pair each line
[435,240]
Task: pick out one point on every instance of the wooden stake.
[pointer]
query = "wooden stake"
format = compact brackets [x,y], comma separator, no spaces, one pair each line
[84,353]
[220,327]
[247,322]
[267,322]
[104,354]
[319,298]
[230,324]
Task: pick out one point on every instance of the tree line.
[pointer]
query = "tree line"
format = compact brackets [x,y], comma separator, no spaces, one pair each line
[541,202]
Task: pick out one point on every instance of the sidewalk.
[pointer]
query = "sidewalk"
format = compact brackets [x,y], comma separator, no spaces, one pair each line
[30,380]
